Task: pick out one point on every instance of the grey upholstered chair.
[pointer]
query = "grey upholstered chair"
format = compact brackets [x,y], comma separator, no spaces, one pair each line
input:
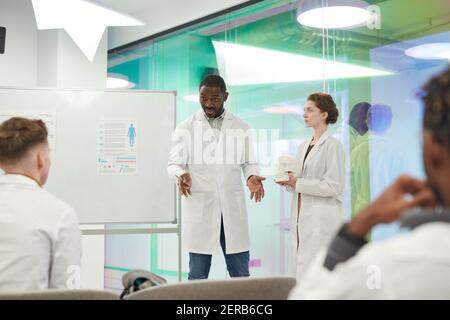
[267,288]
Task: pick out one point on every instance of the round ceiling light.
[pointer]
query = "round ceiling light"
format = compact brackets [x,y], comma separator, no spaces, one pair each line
[333,14]
[434,51]
[118,81]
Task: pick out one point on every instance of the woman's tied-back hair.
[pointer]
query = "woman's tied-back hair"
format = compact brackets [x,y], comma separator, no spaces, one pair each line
[325,103]
[18,136]
[436,98]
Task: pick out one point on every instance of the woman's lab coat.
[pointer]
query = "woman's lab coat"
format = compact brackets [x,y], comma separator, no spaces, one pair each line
[215,164]
[320,185]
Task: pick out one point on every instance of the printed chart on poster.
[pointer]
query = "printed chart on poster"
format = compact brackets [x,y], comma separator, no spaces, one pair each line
[109,149]
[117,147]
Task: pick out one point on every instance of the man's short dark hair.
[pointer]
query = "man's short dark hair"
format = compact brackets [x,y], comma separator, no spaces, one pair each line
[436,98]
[17,136]
[214,81]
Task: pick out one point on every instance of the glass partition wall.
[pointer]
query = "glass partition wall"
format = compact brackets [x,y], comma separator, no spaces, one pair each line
[272,56]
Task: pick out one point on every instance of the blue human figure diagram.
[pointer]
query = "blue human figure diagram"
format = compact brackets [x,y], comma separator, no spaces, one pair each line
[131,134]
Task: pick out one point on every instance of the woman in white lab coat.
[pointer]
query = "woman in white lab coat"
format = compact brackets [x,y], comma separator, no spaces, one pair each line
[317,191]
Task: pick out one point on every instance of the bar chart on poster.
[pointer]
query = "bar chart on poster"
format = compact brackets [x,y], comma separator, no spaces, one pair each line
[109,149]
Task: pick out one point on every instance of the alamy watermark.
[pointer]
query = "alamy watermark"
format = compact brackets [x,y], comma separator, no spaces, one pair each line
[73,277]
[374,22]
[373,281]
[228,147]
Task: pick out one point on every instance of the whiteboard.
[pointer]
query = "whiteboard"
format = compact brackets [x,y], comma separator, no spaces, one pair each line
[112,181]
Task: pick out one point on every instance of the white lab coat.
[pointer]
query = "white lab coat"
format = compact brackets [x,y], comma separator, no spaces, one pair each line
[217,187]
[409,266]
[321,184]
[39,237]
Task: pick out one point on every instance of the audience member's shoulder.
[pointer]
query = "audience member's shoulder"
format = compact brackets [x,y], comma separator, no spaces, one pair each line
[432,235]
[57,205]
[431,239]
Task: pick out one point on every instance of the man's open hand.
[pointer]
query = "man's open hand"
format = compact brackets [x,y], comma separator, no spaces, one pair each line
[256,187]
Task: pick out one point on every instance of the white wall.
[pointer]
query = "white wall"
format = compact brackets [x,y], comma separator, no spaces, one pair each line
[18,63]
[51,59]
[62,64]
[44,58]
[160,15]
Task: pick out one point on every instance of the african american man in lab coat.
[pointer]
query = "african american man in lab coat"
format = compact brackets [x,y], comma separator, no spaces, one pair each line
[211,150]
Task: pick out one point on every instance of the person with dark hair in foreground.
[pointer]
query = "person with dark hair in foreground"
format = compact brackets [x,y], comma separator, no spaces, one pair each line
[413,265]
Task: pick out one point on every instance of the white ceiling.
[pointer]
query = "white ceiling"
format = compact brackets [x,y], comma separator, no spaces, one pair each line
[160,15]
[133,6]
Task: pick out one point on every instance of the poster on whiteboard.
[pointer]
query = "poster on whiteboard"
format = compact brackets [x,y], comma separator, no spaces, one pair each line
[117,147]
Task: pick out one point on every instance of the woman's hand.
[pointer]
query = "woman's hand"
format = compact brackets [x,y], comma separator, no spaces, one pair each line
[289,183]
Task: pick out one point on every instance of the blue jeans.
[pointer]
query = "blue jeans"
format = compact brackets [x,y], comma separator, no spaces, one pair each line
[237,263]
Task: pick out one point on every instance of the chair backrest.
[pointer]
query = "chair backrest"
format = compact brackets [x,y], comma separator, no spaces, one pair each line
[267,288]
[61,295]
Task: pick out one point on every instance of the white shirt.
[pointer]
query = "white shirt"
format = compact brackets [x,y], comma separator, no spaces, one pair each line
[216,123]
[39,237]
[410,266]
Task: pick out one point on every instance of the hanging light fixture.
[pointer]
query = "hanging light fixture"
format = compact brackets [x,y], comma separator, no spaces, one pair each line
[118,81]
[333,14]
[432,51]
